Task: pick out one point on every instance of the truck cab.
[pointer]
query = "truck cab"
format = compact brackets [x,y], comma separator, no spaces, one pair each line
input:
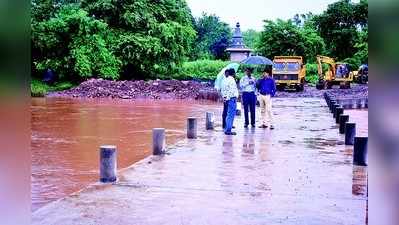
[289,72]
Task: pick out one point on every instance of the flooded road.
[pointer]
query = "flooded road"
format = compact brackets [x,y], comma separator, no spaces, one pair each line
[66,135]
[299,173]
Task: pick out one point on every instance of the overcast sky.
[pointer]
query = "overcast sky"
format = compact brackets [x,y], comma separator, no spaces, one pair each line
[251,13]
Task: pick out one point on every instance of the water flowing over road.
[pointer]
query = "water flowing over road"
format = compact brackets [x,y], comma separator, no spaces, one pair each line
[66,135]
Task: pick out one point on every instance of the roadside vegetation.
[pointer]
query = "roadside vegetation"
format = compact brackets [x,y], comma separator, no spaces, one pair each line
[39,88]
[147,39]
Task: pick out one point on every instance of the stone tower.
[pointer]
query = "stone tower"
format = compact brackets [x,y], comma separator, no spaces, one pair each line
[237,49]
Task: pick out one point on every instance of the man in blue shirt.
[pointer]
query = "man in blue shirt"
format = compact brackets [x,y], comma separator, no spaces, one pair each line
[247,85]
[267,89]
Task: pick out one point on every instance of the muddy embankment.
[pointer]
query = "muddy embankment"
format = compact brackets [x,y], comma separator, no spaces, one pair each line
[153,89]
[174,89]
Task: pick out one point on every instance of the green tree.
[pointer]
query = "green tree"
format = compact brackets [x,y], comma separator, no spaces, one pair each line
[107,38]
[251,38]
[339,26]
[74,45]
[361,55]
[150,37]
[286,38]
[213,37]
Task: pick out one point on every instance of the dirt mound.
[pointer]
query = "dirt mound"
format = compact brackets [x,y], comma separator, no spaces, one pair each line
[174,89]
[153,89]
[356,91]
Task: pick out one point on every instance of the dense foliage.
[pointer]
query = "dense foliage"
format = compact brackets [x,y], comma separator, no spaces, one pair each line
[342,26]
[251,38]
[74,43]
[311,76]
[147,39]
[135,39]
[213,37]
[285,38]
[200,70]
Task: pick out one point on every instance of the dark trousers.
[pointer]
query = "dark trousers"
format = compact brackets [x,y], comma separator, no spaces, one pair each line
[224,115]
[249,102]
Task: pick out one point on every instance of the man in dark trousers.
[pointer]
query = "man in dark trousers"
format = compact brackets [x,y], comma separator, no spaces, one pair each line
[247,86]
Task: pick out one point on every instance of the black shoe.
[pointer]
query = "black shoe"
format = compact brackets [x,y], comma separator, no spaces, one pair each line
[233,127]
[252,125]
[230,133]
[263,126]
[246,126]
[271,127]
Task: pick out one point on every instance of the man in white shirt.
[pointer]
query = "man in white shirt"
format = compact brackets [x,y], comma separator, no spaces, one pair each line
[248,87]
[230,94]
[218,86]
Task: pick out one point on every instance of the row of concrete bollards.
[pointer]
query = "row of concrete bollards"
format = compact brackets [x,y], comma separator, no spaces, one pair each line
[108,153]
[349,129]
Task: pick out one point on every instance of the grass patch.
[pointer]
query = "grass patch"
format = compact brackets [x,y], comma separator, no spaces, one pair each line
[40,89]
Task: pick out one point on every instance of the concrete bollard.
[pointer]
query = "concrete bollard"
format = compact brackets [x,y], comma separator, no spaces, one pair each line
[192,128]
[350,133]
[328,101]
[158,141]
[332,103]
[338,111]
[108,163]
[342,121]
[360,151]
[335,106]
[209,121]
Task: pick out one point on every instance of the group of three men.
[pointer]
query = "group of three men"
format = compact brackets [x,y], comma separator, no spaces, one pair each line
[249,87]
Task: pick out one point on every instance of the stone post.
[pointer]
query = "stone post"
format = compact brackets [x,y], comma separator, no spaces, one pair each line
[338,111]
[108,163]
[350,133]
[342,121]
[209,121]
[158,141]
[192,128]
[360,151]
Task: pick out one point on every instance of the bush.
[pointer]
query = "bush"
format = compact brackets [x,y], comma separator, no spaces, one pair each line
[40,89]
[311,76]
[354,63]
[200,70]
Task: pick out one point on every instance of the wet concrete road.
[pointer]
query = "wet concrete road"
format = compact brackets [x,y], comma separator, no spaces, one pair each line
[299,173]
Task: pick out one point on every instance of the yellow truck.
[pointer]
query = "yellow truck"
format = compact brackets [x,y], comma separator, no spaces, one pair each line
[336,74]
[289,72]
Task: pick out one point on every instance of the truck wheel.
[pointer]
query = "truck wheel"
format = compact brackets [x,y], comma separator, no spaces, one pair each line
[300,87]
[363,79]
[320,86]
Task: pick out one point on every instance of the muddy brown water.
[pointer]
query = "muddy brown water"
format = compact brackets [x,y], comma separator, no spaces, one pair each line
[66,135]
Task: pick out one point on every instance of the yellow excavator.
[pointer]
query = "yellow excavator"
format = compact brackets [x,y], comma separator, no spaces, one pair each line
[337,73]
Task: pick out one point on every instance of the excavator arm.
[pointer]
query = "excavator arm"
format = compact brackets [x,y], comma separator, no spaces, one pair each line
[331,64]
